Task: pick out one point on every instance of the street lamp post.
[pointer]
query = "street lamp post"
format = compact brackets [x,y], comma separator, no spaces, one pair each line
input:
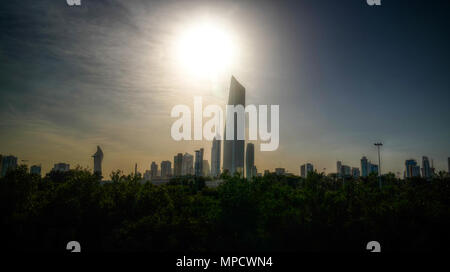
[378,145]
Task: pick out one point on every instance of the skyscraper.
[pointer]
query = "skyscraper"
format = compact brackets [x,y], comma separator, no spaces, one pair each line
[199,162]
[177,164]
[35,169]
[305,169]
[215,157]
[411,168]
[166,169]
[98,158]
[249,160]
[338,168]
[8,163]
[187,167]
[426,169]
[154,170]
[364,167]
[280,171]
[206,169]
[233,150]
[355,172]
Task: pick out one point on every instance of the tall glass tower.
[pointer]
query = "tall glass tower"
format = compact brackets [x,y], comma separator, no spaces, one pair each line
[233,150]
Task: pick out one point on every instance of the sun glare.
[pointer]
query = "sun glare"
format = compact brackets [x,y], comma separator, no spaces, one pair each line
[205,49]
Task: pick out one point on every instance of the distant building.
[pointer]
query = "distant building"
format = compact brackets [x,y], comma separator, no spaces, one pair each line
[187,165]
[98,158]
[338,168]
[346,171]
[411,169]
[61,167]
[35,169]
[280,171]
[449,164]
[8,163]
[199,162]
[215,157]
[177,164]
[166,169]
[426,169]
[233,150]
[254,171]
[364,167]
[249,160]
[147,175]
[355,172]
[154,170]
[206,169]
[372,168]
[305,169]
[266,172]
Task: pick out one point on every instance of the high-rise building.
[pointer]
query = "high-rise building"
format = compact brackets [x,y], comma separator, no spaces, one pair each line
[305,169]
[8,163]
[147,175]
[166,169]
[280,171]
[154,170]
[254,171]
[233,150]
[426,169]
[98,158]
[215,157]
[199,162]
[411,168]
[364,167]
[61,167]
[338,168]
[346,171]
[187,167]
[177,164]
[355,172]
[249,160]
[206,169]
[35,169]
[266,172]
[373,168]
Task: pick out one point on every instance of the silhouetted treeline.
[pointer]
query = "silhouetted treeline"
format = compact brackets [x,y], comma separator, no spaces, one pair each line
[272,213]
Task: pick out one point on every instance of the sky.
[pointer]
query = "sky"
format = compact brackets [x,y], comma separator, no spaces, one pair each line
[345,75]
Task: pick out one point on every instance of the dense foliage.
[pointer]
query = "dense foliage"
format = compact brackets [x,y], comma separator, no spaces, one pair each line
[272,213]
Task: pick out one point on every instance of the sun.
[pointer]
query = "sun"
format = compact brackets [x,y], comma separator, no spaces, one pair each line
[206,49]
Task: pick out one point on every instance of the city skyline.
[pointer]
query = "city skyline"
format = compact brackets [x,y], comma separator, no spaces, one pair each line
[340,86]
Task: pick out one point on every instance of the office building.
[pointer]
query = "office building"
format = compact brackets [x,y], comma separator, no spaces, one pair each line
[249,160]
[166,169]
[8,163]
[233,150]
[426,169]
[411,169]
[364,167]
[177,164]
[154,170]
[206,168]
[35,169]
[199,162]
[355,172]
[215,157]
[187,165]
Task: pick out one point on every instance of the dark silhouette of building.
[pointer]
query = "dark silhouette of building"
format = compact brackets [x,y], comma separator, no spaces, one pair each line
[249,160]
[177,164]
[233,150]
